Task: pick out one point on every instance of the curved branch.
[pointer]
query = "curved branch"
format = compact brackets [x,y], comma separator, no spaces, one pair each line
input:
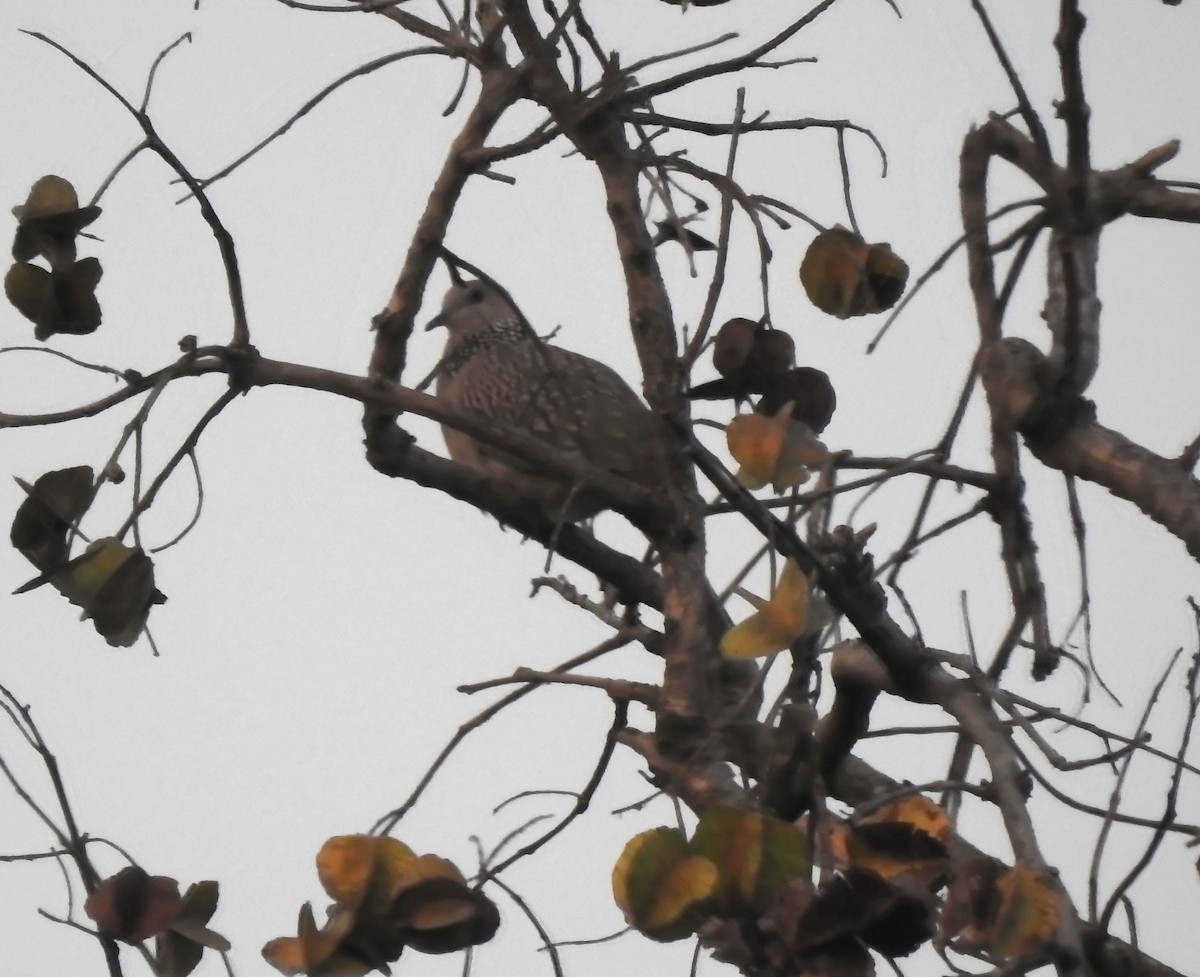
[362,69]
[154,142]
[652,90]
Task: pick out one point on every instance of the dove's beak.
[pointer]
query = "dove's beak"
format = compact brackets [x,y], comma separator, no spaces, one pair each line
[461,302]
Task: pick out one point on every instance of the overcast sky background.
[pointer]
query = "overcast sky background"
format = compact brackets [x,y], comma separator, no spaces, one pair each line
[320,616]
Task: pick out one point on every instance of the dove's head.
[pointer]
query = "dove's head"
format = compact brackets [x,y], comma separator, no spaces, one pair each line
[473,307]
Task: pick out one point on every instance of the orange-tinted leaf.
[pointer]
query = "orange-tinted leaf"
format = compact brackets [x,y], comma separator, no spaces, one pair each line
[755,855]
[364,870]
[132,906]
[800,451]
[431,867]
[658,884]
[52,504]
[777,623]
[1008,912]
[1030,909]
[920,812]
[906,837]
[844,276]
[755,443]
[317,952]
[776,450]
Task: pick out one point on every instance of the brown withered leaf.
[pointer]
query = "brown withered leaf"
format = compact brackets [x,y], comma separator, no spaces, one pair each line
[891,849]
[133,906]
[972,900]
[908,922]
[49,220]
[441,915]
[179,948]
[857,903]
[323,952]
[730,941]
[732,346]
[808,390]
[842,958]
[750,358]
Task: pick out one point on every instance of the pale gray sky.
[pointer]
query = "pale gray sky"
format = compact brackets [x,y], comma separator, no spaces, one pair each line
[320,616]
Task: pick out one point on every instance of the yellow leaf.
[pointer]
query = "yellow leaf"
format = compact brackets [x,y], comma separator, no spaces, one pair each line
[114,584]
[844,276]
[778,621]
[755,855]
[658,884]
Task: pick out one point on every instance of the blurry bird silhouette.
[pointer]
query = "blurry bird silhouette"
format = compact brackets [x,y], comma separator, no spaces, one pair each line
[576,405]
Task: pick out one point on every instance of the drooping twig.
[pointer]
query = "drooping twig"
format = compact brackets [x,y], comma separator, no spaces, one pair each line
[717,282]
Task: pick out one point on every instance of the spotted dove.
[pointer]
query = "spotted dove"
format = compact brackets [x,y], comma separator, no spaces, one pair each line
[494,364]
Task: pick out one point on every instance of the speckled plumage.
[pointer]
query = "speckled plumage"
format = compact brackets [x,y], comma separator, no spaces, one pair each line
[575,404]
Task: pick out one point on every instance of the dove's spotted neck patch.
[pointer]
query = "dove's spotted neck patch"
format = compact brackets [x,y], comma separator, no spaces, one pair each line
[499,333]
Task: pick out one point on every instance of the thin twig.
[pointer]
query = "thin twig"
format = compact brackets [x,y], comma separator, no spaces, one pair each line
[620,718]
[385,824]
